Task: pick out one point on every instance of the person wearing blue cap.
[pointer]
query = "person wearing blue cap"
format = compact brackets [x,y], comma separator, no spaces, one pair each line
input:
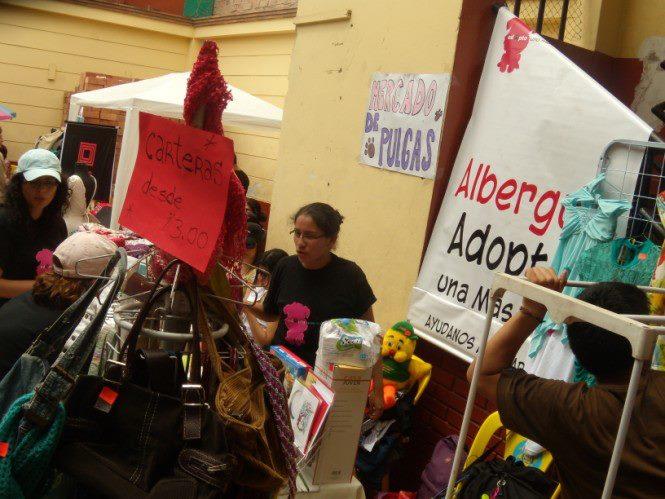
[31,220]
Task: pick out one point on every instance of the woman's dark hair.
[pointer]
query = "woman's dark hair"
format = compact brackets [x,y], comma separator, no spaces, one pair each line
[602,352]
[16,204]
[244,179]
[326,218]
[268,261]
[256,214]
[255,236]
[270,258]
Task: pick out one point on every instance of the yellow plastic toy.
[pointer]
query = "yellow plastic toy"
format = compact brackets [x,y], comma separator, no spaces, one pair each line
[401,368]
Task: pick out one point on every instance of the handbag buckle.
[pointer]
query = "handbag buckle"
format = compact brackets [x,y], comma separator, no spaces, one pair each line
[192,395]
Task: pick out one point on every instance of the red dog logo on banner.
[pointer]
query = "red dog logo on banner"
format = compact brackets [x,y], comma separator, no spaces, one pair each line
[514,43]
[86,153]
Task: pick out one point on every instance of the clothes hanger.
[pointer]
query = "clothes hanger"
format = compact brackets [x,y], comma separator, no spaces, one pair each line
[242,284]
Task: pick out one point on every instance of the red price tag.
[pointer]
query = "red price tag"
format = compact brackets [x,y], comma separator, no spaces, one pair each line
[179,188]
[106,399]
[108,395]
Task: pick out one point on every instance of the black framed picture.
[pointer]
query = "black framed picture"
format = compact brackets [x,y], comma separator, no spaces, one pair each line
[92,146]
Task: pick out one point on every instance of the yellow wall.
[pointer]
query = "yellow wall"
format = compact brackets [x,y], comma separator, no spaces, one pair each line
[332,62]
[610,27]
[33,40]
[256,149]
[642,19]
[38,34]
[623,25]
[258,64]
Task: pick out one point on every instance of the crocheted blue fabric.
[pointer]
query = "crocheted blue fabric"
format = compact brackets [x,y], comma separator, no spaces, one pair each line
[25,472]
[620,260]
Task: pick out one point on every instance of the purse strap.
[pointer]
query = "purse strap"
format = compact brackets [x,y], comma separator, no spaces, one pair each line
[128,350]
[53,338]
[206,336]
[61,377]
[192,393]
[156,292]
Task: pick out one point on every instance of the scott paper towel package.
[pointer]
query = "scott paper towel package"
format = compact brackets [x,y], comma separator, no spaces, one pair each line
[353,342]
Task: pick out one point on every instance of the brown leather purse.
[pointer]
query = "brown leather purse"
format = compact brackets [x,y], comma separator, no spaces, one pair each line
[240,401]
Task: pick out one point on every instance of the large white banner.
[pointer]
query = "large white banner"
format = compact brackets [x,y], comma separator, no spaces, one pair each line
[538,128]
[403,122]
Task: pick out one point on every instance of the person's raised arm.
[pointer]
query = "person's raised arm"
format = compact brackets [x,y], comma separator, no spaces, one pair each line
[504,345]
[262,336]
[258,310]
[267,309]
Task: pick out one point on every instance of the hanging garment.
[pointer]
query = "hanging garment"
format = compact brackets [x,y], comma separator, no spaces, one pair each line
[620,260]
[623,261]
[589,220]
[657,300]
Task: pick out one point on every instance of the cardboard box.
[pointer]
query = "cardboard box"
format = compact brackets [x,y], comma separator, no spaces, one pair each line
[336,456]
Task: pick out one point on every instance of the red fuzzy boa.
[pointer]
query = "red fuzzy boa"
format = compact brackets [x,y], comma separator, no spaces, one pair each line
[207,88]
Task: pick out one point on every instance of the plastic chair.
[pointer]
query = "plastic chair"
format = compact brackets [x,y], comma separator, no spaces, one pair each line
[513,441]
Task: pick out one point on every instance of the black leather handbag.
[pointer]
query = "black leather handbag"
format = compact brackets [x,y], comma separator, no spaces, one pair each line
[148,432]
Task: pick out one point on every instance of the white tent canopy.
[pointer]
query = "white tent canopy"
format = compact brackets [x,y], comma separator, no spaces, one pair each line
[163,96]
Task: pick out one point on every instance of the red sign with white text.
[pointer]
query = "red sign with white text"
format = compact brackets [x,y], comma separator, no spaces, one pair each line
[179,188]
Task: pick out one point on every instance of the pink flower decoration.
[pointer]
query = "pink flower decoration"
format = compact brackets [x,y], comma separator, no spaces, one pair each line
[44,261]
[296,322]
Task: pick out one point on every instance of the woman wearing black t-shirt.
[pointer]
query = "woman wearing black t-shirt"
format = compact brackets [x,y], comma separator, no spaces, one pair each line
[31,220]
[314,286]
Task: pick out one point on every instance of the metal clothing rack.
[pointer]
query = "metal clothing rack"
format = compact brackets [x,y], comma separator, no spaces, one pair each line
[641,186]
[173,326]
[642,338]
[123,318]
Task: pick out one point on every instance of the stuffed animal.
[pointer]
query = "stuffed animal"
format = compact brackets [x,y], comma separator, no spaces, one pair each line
[399,344]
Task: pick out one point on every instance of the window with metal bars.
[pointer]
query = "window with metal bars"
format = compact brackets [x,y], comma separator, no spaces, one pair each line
[560,19]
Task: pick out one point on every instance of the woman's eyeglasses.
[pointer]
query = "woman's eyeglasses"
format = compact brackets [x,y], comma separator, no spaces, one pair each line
[307,236]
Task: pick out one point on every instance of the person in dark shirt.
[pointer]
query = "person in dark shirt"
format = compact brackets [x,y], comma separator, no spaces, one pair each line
[314,286]
[578,424]
[26,315]
[31,220]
